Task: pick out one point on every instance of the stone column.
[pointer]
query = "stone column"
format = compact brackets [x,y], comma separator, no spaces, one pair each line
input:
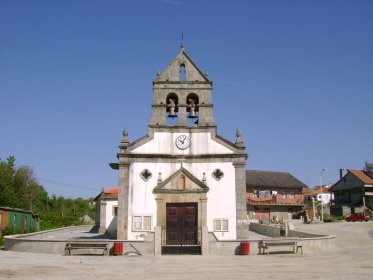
[204,229]
[103,226]
[157,241]
[161,212]
[123,193]
[182,115]
[241,207]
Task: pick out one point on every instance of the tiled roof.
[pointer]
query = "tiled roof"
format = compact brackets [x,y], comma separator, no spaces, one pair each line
[108,194]
[112,190]
[256,178]
[315,191]
[362,176]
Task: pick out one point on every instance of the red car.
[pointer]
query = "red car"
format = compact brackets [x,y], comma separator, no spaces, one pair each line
[365,216]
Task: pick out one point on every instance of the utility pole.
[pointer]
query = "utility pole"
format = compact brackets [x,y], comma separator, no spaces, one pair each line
[322,207]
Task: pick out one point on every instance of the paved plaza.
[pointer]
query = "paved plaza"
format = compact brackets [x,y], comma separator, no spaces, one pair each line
[353,259]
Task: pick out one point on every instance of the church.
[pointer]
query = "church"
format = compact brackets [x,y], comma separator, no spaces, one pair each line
[182,181]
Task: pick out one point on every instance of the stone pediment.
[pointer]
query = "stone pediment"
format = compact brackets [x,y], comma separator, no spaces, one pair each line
[182,181]
[172,71]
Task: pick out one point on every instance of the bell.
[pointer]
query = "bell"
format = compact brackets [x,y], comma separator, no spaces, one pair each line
[192,113]
[172,106]
[172,114]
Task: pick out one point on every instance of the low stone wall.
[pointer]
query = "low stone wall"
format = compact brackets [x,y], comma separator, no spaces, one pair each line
[267,230]
[302,234]
[20,244]
[311,242]
[44,242]
[52,232]
[223,247]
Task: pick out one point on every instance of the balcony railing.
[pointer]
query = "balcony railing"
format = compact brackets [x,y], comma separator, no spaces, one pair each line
[275,200]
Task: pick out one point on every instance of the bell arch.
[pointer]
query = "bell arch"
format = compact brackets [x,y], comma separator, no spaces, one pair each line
[192,102]
[172,109]
[182,72]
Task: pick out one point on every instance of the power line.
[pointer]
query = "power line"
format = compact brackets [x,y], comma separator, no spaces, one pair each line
[68,185]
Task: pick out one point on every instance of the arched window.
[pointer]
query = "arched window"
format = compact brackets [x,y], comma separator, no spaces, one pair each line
[192,109]
[172,110]
[182,72]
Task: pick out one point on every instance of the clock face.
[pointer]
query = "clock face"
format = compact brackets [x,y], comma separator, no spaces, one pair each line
[182,142]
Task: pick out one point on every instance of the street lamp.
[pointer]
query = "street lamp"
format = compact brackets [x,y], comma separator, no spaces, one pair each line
[322,208]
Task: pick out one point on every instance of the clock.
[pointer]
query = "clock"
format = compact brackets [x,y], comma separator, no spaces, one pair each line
[182,142]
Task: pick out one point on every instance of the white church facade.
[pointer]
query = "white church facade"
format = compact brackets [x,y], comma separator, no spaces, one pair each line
[182,181]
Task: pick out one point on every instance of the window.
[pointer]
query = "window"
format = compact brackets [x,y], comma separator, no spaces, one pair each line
[182,72]
[283,195]
[292,195]
[141,223]
[115,211]
[145,175]
[217,174]
[221,225]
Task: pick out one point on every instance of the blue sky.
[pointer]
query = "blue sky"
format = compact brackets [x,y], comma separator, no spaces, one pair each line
[295,76]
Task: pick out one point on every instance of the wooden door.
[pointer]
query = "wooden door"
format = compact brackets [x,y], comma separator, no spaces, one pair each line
[181,224]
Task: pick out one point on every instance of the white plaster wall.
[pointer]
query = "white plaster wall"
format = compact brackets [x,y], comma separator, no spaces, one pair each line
[221,197]
[324,197]
[221,201]
[111,220]
[200,143]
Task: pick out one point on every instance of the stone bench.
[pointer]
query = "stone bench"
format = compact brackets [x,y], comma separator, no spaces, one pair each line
[87,246]
[265,245]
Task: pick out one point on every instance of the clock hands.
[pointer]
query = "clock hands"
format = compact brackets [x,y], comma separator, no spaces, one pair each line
[182,141]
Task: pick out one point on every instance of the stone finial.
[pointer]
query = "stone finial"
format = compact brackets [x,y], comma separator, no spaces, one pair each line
[124,143]
[206,74]
[204,180]
[159,177]
[239,141]
[158,73]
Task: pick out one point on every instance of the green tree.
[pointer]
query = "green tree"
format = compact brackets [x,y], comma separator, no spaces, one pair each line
[7,171]
[19,189]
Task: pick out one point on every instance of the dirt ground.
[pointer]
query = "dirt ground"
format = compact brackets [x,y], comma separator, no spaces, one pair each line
[353,260]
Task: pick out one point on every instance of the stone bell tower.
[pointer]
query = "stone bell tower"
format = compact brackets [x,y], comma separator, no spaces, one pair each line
[182,95]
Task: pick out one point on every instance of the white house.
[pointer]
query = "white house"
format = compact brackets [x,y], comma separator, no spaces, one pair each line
[107,210]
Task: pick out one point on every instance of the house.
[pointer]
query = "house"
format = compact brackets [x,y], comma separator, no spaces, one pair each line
[273,196]
[17,220]
[353,193]
[318,194]
[181,181]
[107,210]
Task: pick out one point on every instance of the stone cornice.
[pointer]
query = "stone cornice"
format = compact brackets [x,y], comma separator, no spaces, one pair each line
[183,105]
[190,157]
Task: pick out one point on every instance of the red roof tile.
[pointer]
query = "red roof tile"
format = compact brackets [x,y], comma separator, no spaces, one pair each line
[362,176]
[112,190]
[316,190]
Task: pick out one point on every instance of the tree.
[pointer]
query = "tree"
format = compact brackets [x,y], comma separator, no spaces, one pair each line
[19,188]
[7,171]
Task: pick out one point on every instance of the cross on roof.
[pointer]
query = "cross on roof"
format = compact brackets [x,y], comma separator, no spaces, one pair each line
[181,160]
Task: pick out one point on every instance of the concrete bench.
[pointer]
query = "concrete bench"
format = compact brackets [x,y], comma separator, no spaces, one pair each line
[265,245]
[87,246]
